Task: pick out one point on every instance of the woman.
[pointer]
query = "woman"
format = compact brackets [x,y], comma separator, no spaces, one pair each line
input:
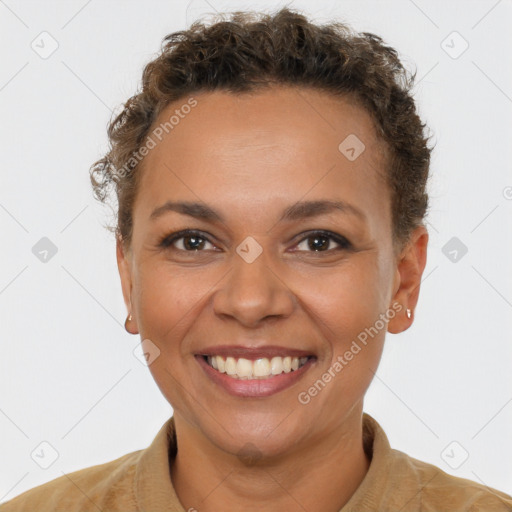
[271,187]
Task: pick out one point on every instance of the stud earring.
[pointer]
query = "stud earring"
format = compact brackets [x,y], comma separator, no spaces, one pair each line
[408,313]
[128,319]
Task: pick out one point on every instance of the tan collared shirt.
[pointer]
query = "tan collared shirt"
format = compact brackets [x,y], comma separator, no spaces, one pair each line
[140,482]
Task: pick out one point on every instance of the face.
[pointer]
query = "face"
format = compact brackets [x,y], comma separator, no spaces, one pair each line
[268,270]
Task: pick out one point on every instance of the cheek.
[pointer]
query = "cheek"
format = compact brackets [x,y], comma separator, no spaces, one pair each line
[171,304]
[348,299]
[349,307]
[167,299]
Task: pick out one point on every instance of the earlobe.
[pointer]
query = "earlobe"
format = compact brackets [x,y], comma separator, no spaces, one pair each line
[409,270]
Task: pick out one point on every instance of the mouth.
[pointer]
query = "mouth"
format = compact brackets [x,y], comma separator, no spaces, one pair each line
[262,368]
[246,372]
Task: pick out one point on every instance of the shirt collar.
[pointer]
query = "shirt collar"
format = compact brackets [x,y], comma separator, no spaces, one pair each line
[369,494]
[155,493]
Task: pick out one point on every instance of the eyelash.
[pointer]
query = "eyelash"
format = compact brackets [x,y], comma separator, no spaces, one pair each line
[167,241]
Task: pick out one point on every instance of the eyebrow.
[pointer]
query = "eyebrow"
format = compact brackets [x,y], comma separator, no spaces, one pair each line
[298,211]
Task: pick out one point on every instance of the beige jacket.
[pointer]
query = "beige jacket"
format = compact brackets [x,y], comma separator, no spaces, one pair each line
[140,482]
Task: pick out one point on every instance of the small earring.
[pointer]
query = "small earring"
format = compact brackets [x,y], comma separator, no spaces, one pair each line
[408,312]
[128,319]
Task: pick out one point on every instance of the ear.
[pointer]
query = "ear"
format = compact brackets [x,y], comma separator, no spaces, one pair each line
[409,270]
[125,273]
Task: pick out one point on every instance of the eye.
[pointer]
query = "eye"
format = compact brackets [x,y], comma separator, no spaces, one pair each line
[321,240]
[194,241]
[191,241]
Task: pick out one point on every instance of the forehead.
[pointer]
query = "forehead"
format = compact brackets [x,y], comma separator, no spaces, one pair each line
[269,147]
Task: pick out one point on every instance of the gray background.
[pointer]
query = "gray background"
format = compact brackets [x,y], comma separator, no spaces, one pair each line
[68,374]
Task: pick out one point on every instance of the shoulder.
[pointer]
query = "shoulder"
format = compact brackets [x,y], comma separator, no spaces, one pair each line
[432,489]
[107,486]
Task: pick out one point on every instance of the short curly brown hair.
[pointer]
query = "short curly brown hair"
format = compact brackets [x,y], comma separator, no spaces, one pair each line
[251,50]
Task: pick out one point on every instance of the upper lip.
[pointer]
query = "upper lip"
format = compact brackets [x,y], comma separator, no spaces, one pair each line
[253,353]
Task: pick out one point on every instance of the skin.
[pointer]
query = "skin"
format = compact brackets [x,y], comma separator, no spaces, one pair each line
[249,157]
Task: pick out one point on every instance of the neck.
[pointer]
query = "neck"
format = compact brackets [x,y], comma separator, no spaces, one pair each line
[318,476]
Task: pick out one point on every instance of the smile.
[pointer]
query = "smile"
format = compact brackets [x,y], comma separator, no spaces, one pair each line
[263,368]
[260,376]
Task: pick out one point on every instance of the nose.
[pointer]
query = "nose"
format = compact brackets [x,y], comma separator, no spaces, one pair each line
[252,292]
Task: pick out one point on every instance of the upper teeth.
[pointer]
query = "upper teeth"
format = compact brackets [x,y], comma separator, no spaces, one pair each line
[260,368]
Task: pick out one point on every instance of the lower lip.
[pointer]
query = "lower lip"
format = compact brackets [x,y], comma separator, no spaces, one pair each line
[254,387]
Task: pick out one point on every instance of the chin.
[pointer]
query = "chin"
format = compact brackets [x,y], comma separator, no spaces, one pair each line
[254,436]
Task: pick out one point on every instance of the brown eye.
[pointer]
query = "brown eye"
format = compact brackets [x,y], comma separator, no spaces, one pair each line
[321,241]
[190,241]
